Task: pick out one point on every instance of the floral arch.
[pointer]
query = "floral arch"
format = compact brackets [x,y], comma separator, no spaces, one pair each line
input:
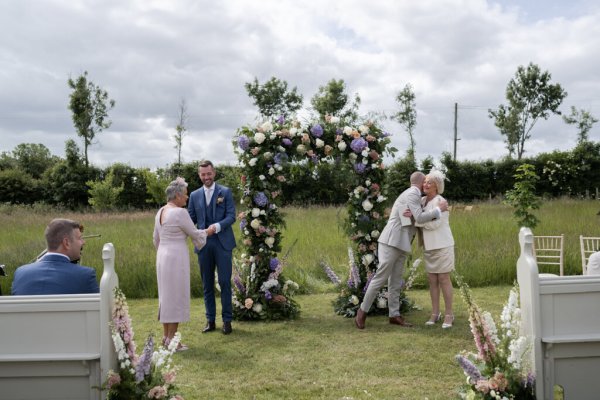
[260,290]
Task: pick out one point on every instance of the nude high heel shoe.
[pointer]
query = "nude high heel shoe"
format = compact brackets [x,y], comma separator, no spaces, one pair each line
[434,319]
[447,325]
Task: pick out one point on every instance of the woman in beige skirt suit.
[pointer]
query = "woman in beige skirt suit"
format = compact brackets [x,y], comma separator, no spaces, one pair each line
[436,238]
[172,226]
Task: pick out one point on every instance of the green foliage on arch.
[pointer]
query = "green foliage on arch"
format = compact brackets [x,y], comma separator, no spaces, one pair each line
[264,152]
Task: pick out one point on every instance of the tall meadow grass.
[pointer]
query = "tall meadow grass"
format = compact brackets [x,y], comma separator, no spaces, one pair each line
[486,243]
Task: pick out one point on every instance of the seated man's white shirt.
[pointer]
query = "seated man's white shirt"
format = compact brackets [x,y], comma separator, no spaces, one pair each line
[593,266]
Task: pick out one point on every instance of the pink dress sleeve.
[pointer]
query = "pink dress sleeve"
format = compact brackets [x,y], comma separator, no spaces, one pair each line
[187,225]
[156,235]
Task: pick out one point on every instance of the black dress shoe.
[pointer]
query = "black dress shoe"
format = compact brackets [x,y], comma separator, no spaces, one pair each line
[210,326]
[227,328]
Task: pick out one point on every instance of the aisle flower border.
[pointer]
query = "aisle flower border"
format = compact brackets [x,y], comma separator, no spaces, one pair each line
[264,151]
[149,375]
[501,369]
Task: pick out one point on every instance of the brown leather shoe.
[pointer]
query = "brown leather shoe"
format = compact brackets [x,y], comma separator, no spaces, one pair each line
[400,321]
[360,318]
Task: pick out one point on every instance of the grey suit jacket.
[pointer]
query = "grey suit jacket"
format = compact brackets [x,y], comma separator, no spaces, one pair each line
[396,235]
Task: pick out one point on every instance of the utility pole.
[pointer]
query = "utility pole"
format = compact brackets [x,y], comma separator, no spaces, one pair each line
[456,139]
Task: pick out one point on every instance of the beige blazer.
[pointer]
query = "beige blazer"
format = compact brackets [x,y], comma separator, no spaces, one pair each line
[395,234]
[436,234]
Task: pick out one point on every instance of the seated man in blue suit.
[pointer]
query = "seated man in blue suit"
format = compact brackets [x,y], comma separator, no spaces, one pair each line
[55,272]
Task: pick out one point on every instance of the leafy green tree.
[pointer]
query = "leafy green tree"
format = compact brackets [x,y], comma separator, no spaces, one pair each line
[273,98]
[89,105]
[16,187]
[407,115]
[103,193]
[332,99]
[66,180]
[181,128]
[583,121]
[523,198]
[530,97]
[33,158]
[7,161]
[156,184]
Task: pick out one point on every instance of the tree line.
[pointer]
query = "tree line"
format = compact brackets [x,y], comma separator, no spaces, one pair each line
[31,174]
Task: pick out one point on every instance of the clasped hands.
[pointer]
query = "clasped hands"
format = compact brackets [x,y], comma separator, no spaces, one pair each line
[443,205]
[211,230]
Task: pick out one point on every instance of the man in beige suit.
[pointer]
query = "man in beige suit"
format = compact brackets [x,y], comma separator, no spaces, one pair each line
[395,242]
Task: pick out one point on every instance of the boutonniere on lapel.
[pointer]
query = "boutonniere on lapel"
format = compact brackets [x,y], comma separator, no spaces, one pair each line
[220,199]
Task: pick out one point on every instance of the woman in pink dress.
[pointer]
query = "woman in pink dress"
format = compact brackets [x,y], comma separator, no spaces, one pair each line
[172,226]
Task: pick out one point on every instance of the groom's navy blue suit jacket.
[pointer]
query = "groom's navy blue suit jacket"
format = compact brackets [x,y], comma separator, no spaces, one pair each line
[221,209]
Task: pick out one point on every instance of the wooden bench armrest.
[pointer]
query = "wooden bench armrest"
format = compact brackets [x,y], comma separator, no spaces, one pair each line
[578,338]
[49,357]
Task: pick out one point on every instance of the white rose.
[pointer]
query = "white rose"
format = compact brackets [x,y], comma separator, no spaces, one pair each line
[375,234]
[368,182]
[255,212]
[334,120]
[270,241]
[354,300]
[261,177]
[259,137]
[267,155]
[271,171]
[368,259]
[342,146]
[257,308]
[278,167]
[367,205]
[267,126]
[347,131]
[319,143]
[262,212]
[365,152]
[301,149]
[281,149]
[293,131]
[380,199]
[353,157]
[363,129]
[252,162]
[255,223]
[381,302]
[272,136]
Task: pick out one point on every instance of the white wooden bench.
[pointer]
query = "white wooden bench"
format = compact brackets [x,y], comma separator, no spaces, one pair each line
[58,346]
[561,314]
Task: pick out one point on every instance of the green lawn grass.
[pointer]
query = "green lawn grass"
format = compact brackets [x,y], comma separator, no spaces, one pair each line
[322,355]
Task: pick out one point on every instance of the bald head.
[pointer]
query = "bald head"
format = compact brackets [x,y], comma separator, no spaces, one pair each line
[417,178]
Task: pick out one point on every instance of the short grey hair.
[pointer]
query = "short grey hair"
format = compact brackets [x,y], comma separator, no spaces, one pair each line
[175,187]
[437,177]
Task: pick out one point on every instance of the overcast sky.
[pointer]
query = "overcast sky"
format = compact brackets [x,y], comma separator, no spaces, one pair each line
[150,54]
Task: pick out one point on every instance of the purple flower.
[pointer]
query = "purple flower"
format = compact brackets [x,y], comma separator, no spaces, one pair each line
[274,264]
[260,199]
[317,130]
[470,370]
[386,134]
[238,284]
[367,284]
[280,158]
[286,142]
[314,159]
[243,142]
[358,145]
[330,273]
[364,218]
[355,275]
[339,131]
[144,362]
[268,295]
[243,224]
[360,168]
[281,119]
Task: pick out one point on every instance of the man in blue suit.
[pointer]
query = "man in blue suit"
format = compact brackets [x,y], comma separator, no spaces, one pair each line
[55,272]
[211,207]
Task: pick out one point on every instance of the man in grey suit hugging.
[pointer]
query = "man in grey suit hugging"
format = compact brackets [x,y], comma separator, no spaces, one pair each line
[395,242]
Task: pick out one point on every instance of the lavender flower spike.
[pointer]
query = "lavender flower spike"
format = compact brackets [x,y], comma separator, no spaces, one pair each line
[330,273]
[142,368]
[469,368]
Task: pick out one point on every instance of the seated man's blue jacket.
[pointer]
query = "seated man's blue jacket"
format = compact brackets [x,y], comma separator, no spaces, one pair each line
[54,274]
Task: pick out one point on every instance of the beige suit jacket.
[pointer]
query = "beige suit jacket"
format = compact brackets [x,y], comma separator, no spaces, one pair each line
[395,234]
[436,234]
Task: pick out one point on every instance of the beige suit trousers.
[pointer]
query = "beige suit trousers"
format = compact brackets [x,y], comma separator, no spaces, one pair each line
[390,271]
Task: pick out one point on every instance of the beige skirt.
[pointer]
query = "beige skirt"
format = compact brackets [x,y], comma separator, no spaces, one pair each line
[439,261]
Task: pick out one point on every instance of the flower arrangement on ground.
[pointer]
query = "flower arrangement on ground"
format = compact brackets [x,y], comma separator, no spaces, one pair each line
[149,375]
[352,291]
[501,368]
[264,152]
